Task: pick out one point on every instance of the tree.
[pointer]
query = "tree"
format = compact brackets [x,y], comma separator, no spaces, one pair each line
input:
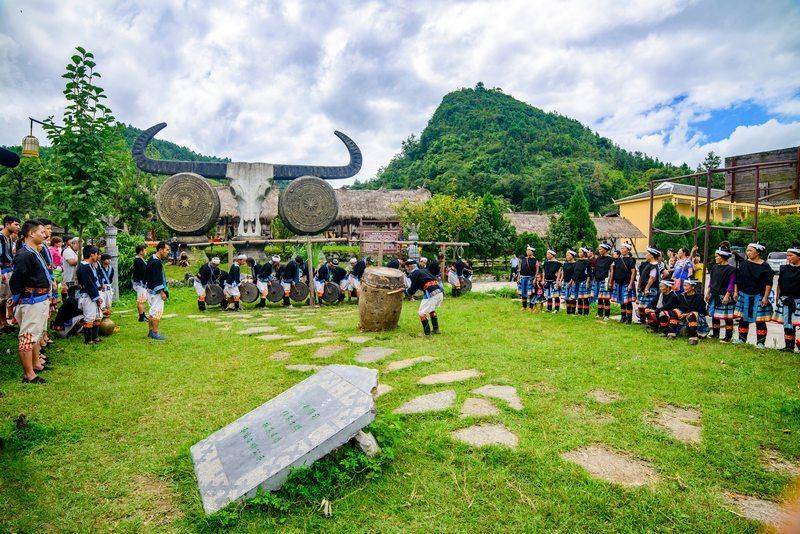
[22,189]
[713,161]
[491,234]
[440,218]
[86,149]
[668,218]
[575,227]
[525,239]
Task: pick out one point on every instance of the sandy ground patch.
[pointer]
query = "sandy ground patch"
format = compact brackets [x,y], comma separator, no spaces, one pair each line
[612,466]
[683,424]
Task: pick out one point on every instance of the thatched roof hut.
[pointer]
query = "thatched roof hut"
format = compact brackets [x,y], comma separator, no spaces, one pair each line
[608,228]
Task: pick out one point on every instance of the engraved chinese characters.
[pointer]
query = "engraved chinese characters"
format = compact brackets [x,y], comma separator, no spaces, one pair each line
[299,426]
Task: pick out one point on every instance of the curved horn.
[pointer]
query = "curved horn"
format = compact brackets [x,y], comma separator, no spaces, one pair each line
[207,169]
[288,172]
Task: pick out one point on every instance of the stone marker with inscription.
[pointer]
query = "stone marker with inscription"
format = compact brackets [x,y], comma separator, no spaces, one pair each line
[296,428]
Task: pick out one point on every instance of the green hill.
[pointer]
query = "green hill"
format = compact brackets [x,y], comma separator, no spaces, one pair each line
[484,141]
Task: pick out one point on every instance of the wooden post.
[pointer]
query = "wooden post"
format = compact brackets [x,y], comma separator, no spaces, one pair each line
[230,254]
[706,237]
[312,291]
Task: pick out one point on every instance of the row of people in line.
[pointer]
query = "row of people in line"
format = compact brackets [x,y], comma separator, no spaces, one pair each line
[744,292]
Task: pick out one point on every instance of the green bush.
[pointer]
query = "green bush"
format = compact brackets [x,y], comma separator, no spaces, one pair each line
[127,252]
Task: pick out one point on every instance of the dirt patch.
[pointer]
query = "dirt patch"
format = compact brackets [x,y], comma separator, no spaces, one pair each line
[774,462]
[767,512]
[505,393]
[604,397]
[309,341]
[304,368]
[403,364]
[327,351]
[373,354]
[432,402]
[448,377]
[161,508]
[280,355]
[595,418]
[680,423]
[382,389]
[540,387]
[484,435]
[474,407]
[612,466]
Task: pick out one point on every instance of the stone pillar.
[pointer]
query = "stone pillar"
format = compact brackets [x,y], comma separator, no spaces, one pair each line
[413,235]
[112,250]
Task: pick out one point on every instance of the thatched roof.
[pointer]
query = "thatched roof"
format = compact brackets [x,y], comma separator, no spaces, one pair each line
[607,227]
[372,204]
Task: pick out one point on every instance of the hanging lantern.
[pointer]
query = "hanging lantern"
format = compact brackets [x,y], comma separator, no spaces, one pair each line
[30,145]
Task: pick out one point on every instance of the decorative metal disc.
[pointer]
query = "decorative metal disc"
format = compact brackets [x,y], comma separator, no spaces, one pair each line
[308,205]
[275,292]
[248,292]
[466,285]
[214,295]
[331,292]
[299,292]
[187,204]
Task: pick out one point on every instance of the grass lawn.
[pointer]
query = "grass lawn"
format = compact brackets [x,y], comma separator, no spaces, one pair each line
[108,446]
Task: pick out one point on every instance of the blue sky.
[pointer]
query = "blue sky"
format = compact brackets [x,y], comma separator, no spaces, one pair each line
[270,80]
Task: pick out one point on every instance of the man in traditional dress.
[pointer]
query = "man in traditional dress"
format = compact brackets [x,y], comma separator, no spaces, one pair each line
[106,273]
[553,276]
[30,285]
[753,295]
[70,258]
[8,240]
[432,295]
[719,295]
[649,278]
[623,282]
[264,275]
[339,277]
[322,276]
[788,294]
[357,273]
[157,288]
[231,288]
[601,287]
[139,281]
[207,274]
[90,299]
[528,269]
[290,275]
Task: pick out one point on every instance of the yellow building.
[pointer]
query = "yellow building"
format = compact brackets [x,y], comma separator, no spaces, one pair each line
[636,208]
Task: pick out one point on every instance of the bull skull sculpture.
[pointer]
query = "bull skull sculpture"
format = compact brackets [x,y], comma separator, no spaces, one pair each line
[249,182]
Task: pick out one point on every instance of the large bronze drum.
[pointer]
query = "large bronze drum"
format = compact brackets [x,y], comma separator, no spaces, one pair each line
[299,292]
[248,292]
[275,291]
[214,295]
[187,204]
[381,299]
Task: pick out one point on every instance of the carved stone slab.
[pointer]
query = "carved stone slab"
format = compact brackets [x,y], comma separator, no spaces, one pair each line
[296,428]
[308,205]
[187,204]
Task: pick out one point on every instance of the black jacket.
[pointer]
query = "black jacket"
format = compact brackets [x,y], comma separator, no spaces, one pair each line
[693,303]
[234,275]
[28,272]
[434,268]
[394,263]
[139,270]
[86,275]
[602,267]
[359,268]
[154,275]
[338,274]
[789,281]
[582,271]
[323,273]
[263,272]
[290,272]
[207,274]
[421,280]
[669,302]
[528,266]
[569,269]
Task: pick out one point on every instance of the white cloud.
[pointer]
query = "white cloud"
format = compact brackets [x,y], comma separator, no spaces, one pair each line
[270,81]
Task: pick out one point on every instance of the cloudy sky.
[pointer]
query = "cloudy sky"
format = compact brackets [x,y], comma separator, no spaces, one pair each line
[270,80]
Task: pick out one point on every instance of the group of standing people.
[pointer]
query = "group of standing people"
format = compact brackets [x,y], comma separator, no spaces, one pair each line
[672,295]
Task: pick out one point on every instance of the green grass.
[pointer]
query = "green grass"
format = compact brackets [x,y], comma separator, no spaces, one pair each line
[108,446]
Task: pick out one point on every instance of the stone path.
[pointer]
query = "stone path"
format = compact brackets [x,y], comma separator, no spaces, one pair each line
[774,462]
[475,407]
[767,512]
[328,351]
[280,355]
[683,424]
[448,377]
[274,337]
[486,434]
[612,466]
[358,339]
[309,341]
[604,397]
[300,328]
[505,393]
[432,402]
[303,367]
[382,389]
[373,354]
[257,330]
[403,364]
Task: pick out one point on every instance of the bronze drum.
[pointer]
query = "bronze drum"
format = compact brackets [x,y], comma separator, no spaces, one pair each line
[381,299]
[248,292]
[299,292]
[275,291]
[214,295]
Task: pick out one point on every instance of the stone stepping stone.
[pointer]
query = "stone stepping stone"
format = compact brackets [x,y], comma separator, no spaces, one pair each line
[303,367]
[604,397]
[330,322]
[382,389]
[505,393]
[403,364]
[208,320]
[358,339]
[169,315]
[680,423]
[328,351]
[123,312]
[304,328]
[448,377]
[485,435]
[774,462]
[579,410]
[755,509]
[612,466]
[475,407]
[432,402]
[325,333]
[373,354]
[274,337]
[257,330]
[310,341]
[280,356]
[197,316]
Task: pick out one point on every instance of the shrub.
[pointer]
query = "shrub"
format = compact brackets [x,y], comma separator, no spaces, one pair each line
[126,243]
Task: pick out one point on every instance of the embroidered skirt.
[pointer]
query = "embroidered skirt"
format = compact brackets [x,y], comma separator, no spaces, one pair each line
[621,294]
[718,310]
[585,289]
[551,290]
[788,312]
[600,290]
[749,308]
[649,298]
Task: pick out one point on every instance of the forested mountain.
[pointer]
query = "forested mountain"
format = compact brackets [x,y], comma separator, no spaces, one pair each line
[484,141]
